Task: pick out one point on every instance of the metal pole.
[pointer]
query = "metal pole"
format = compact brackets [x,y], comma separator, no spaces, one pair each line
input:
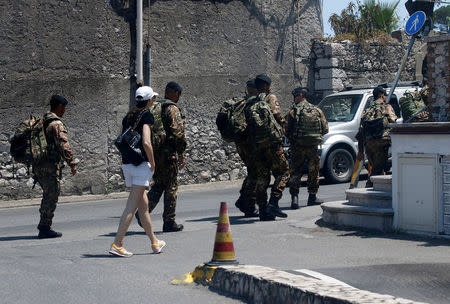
[139,56]
[402,65]
[148,58]
[148,54]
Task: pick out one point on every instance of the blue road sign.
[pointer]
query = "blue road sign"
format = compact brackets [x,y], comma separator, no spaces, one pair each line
[415,23]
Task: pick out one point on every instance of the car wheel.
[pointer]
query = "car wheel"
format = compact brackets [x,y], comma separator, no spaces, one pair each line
[339,166]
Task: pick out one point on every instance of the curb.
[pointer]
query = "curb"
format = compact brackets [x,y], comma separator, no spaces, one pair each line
[116,195]
[259,284]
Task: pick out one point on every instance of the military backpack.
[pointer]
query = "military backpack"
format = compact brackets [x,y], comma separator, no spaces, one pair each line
[309,126]
[29,143]
[231,119]
[158,110]
[263,128]
[374,121]
[411,103]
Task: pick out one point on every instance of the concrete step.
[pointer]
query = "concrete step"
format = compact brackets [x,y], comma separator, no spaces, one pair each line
[369,197]
[382,182]
[343,214]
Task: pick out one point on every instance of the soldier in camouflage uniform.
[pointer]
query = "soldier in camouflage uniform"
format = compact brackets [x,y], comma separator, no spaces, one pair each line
[412,102]
[169,158]
[47,172]
[268,158]
[304,146]
[247,200]
[376,148]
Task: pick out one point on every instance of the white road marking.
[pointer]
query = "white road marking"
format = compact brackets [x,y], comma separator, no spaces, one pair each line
[322,277]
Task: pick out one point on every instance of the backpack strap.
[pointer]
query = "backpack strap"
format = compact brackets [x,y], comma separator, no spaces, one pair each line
[137,118]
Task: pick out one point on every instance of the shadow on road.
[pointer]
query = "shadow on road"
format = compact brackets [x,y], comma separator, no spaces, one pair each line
[227,294]
[113,234]
[108,256]
[368,233]
[234,220]
[98,256]
[18,237]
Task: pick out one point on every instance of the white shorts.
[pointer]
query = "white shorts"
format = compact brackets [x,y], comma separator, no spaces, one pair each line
[137,175]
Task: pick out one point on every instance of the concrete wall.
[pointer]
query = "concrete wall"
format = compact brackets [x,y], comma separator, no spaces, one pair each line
[337,64]
[438,75]
[85,51]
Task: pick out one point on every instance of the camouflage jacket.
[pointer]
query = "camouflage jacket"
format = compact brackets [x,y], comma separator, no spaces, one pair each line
[388,115]
[56,135]
[291,120]
[174,126]
[276,110]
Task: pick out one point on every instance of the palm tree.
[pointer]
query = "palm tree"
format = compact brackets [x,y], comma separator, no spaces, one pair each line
[379,15]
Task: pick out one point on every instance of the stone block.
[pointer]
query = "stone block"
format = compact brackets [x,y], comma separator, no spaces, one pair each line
[446,219]
[327,62]
[447,208]
[332,73]
[333,84]
[447,229]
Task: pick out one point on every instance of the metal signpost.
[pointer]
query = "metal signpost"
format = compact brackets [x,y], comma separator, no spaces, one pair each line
[413,26]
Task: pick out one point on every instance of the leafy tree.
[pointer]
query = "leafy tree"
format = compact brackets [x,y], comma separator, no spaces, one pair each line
[441,18]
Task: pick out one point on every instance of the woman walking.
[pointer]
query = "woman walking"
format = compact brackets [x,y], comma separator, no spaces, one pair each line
[138,177]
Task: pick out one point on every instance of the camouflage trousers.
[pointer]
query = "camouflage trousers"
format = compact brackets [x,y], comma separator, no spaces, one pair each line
[267,159]
[164,181]
[377,155]
[247,197]
[299,155]
[48,179]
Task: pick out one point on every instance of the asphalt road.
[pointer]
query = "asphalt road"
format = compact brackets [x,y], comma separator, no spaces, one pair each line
[76,268]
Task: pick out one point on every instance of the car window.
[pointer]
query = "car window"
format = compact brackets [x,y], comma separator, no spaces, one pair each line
[340,108]
[394,103]
[369,101]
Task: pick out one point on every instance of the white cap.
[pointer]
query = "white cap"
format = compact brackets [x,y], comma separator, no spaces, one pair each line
[145,93]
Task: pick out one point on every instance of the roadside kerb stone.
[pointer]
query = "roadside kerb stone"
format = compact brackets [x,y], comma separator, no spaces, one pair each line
[117,195]
[259,284]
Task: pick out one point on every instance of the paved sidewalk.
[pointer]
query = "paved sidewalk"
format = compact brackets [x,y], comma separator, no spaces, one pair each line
[116,195]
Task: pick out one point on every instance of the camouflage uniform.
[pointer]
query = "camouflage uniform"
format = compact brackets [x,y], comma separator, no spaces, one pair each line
[269,158]
[377,149]
[166,160]
[247,199]
[412,102]
[301,152]
[47,173]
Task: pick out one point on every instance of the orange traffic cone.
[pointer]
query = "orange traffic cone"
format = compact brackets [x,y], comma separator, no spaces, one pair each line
[223,246]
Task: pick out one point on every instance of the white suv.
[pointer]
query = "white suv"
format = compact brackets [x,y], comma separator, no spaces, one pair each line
[343,111]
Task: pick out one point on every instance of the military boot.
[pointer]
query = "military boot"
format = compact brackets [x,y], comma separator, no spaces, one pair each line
[48,233]
[313,200]
[172,226]
[264,215]
[273,207]
[294,202]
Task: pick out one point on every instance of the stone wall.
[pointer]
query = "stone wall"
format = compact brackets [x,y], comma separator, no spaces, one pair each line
[338,64]
[85,50]
[438,75]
